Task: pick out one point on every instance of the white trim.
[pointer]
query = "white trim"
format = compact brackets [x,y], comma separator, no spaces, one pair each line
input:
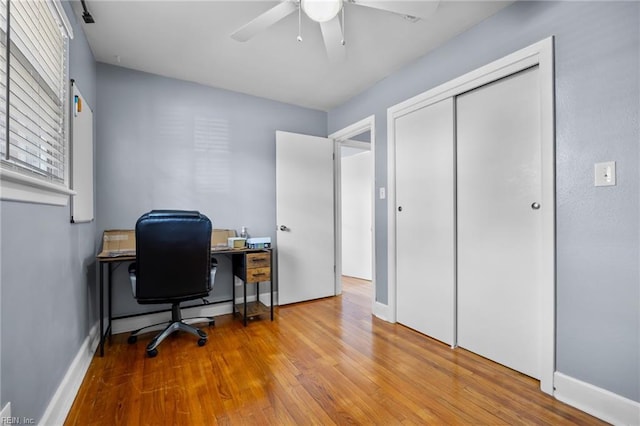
[57,6]
[337,216]
[350,143]
[355,129]
[381,311]
[598,402]
[540,54]
[265,298]
[342,138]
[60,404]
[16,186]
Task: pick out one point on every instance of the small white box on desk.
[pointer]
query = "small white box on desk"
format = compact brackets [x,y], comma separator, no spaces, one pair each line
[237,242]
[259,243]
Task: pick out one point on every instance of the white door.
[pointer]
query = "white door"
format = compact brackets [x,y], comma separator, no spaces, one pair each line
[499,221]
[425,264]
[305,217]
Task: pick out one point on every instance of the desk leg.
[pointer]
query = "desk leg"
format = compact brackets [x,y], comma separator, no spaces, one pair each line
[233,295]
[110,297]
[101,308]
[244,319]
[271,284]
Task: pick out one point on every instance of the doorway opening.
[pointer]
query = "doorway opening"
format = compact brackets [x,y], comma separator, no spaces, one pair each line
[355,203]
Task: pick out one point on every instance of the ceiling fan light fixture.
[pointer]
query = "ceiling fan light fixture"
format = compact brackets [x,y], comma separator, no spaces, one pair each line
[321,10]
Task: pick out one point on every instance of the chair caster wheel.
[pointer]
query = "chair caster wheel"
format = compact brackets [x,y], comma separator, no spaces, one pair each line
[132,339]
[201,342]
[152,353]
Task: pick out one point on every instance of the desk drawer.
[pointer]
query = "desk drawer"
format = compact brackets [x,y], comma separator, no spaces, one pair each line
[259,260]
[255,275]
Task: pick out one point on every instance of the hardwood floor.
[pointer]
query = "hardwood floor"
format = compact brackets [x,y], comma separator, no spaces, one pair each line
[322,362]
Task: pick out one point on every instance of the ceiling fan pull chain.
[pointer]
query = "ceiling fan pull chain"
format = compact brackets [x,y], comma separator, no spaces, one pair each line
[342,41]
[299,21]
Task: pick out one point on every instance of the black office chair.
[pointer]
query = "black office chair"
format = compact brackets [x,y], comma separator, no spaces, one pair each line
[173,265]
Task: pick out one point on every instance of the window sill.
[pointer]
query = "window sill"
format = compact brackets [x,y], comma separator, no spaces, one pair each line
[18,187]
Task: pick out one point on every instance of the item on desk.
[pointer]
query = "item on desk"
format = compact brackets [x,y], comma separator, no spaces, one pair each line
[219,238]
[118,242]
[259,242]
[243,233]
[237,242]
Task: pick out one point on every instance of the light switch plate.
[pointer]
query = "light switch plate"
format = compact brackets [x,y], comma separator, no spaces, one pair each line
[605,173]
[383,193]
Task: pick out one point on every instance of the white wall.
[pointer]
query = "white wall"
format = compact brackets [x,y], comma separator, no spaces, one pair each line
[356,184]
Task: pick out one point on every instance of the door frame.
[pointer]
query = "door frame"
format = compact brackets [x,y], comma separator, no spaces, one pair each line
[541,54]
[340,138]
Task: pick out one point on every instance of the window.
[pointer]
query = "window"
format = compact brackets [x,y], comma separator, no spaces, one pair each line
[34,101]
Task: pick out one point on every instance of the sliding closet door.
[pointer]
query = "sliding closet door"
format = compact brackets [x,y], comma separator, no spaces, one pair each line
[499,221]
[425,220]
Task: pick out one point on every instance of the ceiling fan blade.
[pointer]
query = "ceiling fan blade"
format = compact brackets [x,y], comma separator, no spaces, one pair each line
[332,35]
[418,8]
[265,20]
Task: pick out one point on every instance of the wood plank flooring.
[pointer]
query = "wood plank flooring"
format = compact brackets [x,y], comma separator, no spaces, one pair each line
[322,362]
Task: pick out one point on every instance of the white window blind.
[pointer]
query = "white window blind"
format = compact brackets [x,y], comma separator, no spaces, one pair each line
[35,143]
[3,78]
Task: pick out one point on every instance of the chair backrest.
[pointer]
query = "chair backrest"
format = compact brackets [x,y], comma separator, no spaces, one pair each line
[173,256]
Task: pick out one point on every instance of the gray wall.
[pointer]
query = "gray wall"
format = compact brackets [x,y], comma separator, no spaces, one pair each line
[165,143]
[597,109]
[48,270]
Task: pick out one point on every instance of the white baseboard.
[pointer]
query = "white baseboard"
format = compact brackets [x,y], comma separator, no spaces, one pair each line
[598,402]
[60,404]
[265,298]
[381,311]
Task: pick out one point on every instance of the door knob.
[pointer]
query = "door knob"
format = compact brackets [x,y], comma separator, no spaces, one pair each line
[399,208]
[535,206]
[283,228]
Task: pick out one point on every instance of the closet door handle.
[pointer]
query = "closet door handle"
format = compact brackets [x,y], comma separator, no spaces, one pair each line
[535,206]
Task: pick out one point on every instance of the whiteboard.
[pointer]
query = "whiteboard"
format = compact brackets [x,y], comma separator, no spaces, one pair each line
[81,151]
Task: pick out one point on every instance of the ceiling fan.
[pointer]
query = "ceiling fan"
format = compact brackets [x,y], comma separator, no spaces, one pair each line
[326,13]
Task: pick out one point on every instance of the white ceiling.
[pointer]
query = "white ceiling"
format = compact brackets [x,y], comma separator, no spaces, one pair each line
[189,40]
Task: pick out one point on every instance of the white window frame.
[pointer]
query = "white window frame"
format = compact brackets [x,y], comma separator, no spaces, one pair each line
[16,185]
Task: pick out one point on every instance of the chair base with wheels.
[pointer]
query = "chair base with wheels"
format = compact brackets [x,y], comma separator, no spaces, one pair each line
[176,324]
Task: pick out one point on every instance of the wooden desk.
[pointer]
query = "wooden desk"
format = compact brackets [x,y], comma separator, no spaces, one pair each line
[242,260]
